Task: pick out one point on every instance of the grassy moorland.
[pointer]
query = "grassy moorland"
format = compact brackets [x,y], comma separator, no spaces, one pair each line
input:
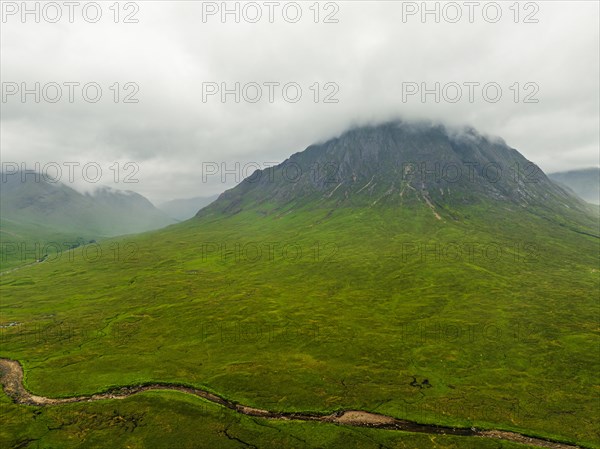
[42,217]
[174,420]
[486,318]
[25,243]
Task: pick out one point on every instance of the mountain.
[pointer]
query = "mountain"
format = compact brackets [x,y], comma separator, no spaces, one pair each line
[402,165]
[36,209]
[127,212]
[104,212]
[185,208]
[342,279]
[584,182]
[39,201]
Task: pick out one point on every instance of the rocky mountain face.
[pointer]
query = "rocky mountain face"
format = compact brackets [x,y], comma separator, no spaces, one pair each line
[399,164]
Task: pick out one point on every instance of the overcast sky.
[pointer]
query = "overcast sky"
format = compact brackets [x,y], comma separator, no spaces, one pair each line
[369,56]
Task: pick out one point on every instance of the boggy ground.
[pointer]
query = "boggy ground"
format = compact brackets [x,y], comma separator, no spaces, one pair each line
[11,374]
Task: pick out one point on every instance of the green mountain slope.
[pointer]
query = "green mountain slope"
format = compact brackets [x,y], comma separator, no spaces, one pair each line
[475,305]
[42,217]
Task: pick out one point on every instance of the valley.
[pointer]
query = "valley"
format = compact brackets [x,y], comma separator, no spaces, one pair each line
[307,225]
[484,318]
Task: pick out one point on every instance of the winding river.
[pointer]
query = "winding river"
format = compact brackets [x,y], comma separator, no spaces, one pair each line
[11,375]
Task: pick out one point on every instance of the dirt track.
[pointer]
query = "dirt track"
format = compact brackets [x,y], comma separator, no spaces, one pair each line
[11,375]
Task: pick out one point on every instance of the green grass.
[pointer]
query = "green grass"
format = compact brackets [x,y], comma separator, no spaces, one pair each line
[24,243]
[173,420]
[506,341]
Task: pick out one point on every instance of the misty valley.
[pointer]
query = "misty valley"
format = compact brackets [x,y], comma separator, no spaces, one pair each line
[390,302]
[290,225]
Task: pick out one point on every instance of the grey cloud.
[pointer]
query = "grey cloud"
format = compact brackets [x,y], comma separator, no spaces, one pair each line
[369,54]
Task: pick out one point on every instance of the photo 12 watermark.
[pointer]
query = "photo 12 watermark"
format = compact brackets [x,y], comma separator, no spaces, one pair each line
[220,331]
[467,251]
[53,331]
[69,12]
[76,249]
[270,92]
[267,172]
[90,92]
[469,92]
[269,251]
[70,172]
[270,12]
[469,12]
[470,172]
[434,331]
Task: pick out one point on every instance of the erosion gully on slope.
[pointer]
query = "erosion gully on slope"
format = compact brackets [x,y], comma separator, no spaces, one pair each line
[11,375]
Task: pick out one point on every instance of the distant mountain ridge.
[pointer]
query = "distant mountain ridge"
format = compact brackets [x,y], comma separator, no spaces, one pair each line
[584,182]
[185,208]
[103,213]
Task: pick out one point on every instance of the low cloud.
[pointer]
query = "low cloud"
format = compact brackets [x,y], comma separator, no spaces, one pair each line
[370,61]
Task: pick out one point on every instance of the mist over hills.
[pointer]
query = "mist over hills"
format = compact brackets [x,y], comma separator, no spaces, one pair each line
[350,237]
[184,208]
[35,201]
[584,182]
